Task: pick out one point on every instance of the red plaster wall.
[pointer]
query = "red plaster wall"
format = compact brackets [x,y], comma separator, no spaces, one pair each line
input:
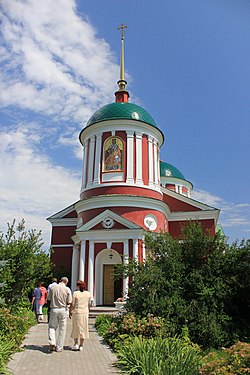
[62,258]
[116,226]
[145,159]
[71,214]
[175,227]
[176,205]
[86,266]
[140,251]
[133,214]
[130,248]
[170,187]
[124,190]
[118,246]
[62,235]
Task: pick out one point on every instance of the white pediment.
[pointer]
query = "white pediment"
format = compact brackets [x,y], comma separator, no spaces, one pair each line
[107,217]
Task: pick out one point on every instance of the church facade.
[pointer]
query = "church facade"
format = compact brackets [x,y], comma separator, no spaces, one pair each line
[126,191]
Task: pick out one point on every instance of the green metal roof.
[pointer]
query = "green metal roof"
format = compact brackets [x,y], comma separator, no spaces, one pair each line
[168,170]
[121,111]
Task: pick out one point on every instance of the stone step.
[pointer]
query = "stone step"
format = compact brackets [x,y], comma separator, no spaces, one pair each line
[99,310]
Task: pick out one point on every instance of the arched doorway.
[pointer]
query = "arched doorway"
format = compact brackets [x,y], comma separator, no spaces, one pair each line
[107,290]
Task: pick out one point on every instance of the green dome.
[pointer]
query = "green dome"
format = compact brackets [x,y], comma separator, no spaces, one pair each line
[121,111]
[168,170]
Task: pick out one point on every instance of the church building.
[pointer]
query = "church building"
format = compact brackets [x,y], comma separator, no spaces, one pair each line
[126,191]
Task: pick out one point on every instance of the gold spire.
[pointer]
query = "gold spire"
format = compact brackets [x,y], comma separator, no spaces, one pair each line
[122,83]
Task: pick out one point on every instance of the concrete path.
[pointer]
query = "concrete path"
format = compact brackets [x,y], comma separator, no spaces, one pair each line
[35,358]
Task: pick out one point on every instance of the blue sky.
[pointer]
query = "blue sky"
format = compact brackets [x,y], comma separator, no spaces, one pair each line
[187,63]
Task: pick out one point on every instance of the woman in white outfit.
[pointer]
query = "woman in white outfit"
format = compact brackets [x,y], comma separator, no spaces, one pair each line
[79,312]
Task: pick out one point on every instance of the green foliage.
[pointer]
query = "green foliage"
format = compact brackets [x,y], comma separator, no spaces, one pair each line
[6,347]
[15,324]
[232,361]
[200,281]
[102,323]
[13,327]
[117,329]
[157,356]
[26,262]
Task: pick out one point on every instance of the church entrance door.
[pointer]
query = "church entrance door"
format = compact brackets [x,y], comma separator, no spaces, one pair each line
[108,284]
[112,289]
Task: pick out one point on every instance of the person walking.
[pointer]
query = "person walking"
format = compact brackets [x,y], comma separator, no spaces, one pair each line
[42,301]
[53,283]
[36,296]
[59,297]
[79,312]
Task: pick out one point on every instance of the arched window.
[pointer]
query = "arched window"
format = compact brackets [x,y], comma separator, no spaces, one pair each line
[113,151]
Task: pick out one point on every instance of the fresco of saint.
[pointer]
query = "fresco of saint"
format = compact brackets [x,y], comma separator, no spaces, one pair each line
[113,154]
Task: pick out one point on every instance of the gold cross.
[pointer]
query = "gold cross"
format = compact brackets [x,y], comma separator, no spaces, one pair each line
[122,27]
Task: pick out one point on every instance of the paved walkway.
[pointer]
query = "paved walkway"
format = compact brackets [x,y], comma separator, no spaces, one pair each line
[35,358]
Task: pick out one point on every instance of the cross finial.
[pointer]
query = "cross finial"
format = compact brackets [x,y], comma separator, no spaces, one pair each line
[122,95]
[122,27]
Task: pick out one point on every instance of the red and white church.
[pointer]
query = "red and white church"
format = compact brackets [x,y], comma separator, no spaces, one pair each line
[126,191]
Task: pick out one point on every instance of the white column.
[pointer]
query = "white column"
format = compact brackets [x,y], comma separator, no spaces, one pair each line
[90,161]
[135,249]
[98,146]
[158,164]
[150,162]
[130,157]
[82,260]
[125,260]
[74,267]
[85,158]
[143,251]
[91,270]
[156,180]
[139,158]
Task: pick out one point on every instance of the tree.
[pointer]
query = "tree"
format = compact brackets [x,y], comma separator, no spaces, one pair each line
[26,263]
[199,281]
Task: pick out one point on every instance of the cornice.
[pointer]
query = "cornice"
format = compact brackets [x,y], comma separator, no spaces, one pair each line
[122,125]
[108,201]
[114,235]
[194,215]
[60,222]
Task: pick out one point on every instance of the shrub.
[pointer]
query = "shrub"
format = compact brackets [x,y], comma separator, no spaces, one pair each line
[117,329]
[200,281]
[102,323]
[15,325]
[157,356]
[6,347]
[232,361]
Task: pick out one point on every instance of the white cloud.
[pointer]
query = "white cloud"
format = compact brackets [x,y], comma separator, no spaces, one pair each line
[52,60]
[232,214]
[31,185]
[53,65]
[207,198]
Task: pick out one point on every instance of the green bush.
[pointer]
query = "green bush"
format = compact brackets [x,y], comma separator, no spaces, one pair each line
[157,356]
[128,325]
[102,323]
[232,361]
[15,325]
[6,348]
[199,281]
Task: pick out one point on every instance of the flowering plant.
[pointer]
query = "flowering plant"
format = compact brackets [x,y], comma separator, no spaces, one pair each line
[120,299]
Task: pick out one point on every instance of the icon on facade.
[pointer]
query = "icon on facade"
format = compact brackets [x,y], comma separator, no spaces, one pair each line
[113,154]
